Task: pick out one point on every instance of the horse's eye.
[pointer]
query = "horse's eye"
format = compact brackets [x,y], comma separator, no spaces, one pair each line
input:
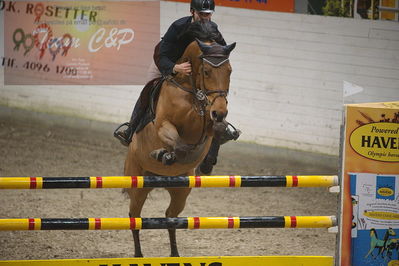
[206,72]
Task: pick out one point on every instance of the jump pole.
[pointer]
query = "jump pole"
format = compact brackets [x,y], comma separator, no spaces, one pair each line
[93,182]
[167,223]
[178,223]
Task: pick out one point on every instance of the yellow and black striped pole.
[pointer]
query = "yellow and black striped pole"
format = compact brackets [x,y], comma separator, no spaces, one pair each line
[166,181]
[167,223]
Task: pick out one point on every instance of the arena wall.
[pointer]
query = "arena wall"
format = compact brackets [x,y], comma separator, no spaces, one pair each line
[287,81]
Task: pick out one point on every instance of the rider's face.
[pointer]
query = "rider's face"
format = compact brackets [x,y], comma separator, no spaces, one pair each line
[202,16]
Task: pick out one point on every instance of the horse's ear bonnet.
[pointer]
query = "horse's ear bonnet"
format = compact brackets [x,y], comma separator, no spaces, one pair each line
[215,54]
[229,48]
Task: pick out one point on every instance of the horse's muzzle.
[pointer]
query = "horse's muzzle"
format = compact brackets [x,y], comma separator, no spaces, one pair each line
[218,116]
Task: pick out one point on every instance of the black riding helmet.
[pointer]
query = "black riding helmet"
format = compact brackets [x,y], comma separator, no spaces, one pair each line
[203,5]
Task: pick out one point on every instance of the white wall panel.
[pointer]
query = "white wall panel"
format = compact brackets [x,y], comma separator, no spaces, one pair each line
[286,86]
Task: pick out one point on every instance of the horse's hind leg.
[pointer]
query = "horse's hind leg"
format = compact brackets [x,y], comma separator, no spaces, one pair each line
[137,199]
[178,197]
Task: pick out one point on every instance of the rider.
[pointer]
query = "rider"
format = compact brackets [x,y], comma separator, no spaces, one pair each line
[164,64]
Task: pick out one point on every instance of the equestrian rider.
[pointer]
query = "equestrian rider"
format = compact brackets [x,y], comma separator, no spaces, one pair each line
[170,50]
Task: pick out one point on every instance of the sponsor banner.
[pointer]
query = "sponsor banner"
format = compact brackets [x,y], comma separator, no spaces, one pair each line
[370,205]
[78,42]
[377,141]
[183,261]
[268,5]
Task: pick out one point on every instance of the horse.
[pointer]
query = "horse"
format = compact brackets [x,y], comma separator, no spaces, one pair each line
[381,244]
[189,113]
[391,245]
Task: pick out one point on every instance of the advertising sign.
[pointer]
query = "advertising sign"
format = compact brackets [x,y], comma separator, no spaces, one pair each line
[370,206]
[78,42]
[181,261]
[268,5]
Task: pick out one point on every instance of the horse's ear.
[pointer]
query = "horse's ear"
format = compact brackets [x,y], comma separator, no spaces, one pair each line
[203,46]
[229,48]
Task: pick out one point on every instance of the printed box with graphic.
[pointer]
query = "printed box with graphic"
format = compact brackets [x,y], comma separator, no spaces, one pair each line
[370,199]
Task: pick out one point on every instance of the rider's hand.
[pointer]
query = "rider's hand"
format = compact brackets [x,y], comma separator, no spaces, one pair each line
[184,68]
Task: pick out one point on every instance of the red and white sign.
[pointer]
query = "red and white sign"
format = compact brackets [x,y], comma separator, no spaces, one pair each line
[79,42]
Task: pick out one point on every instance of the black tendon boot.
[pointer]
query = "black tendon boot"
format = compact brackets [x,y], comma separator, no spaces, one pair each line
[206,166]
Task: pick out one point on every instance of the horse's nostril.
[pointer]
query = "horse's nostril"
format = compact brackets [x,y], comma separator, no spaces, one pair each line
[214,115]
[217,116]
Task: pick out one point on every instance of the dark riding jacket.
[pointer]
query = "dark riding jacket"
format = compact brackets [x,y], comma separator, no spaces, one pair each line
[172,46]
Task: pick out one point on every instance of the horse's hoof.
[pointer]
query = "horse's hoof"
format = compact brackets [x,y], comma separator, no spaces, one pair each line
[158,154]
[169,158]
[175,254]
[138,255]
[205,169]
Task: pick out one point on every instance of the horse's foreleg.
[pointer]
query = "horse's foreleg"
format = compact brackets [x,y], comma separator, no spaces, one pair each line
[206,166]
[178,197]
[168,134]
[137,199]
[370,252]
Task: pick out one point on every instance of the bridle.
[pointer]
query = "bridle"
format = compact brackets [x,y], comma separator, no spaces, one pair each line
[200,95]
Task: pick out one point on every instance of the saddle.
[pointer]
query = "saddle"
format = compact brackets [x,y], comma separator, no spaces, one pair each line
[147,103]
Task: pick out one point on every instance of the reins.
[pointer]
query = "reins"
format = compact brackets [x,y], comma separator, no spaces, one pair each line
[200,95]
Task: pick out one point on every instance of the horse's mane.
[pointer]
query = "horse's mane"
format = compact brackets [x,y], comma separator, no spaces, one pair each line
[205,31]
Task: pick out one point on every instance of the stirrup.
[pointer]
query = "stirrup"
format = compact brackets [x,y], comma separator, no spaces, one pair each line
[120,134]
[232,133]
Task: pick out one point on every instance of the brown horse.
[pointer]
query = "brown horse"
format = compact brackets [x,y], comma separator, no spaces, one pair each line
[190,111]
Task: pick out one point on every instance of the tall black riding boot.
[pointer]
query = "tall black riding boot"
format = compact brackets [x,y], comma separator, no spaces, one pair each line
[142,104]
[125,134]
